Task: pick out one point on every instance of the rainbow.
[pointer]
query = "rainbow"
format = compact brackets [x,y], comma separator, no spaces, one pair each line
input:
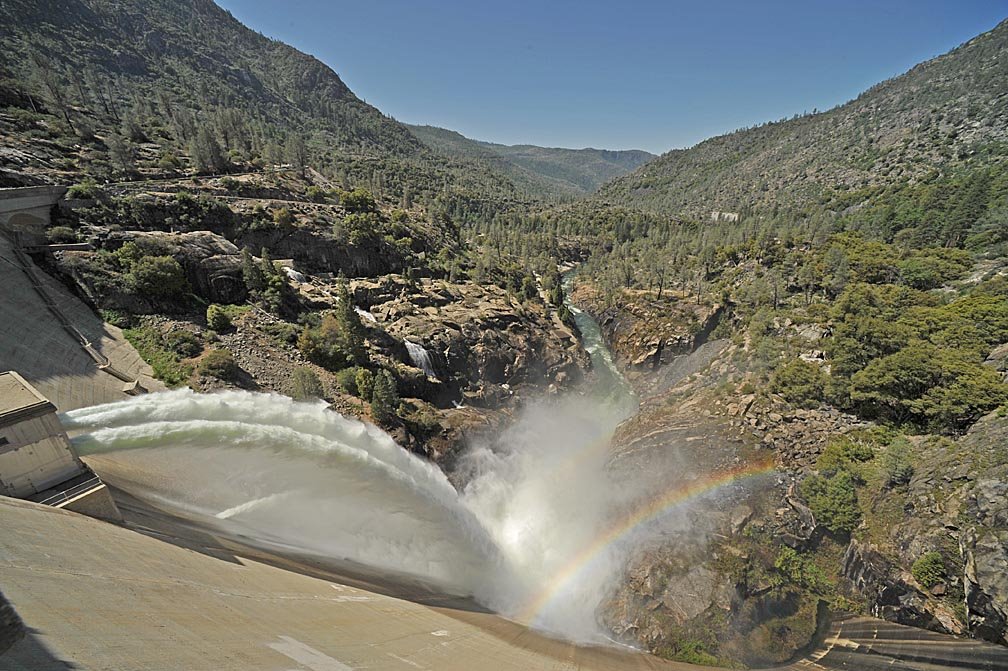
[651,510]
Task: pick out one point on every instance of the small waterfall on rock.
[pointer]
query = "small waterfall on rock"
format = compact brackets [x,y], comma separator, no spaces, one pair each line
[421,358]
[294,275]
[365,314]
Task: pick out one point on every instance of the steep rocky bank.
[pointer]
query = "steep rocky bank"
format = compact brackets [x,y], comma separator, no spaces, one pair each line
[724,584]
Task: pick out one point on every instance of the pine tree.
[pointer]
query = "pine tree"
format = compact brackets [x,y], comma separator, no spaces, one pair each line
[351,328]
[206,152]
[384,399]
[255,280]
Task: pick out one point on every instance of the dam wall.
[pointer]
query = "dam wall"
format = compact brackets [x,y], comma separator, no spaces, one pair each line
[36,343]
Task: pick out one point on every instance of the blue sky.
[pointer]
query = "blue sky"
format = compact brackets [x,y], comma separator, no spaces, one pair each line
[635,74]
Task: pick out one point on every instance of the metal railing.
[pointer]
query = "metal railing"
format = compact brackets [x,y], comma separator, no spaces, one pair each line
[67,494]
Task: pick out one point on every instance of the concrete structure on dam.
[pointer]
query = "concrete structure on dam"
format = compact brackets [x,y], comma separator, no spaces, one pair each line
[37,461]
[47,334]
[26,210]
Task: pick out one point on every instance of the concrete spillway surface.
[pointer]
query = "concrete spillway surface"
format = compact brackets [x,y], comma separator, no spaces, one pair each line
[97,596]
[168,594]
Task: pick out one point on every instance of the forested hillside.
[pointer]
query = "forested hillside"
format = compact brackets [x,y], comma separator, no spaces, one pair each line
[945,115]
[553,173]
[136,88]
[842,277]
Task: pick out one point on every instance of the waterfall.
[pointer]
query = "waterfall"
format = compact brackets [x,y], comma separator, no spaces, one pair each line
[421,358]
[365,314]
[294,275]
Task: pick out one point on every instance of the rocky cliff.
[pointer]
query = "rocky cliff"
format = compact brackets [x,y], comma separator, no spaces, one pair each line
[750,570]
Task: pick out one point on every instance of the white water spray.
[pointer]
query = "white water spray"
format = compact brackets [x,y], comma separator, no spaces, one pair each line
[368,317]
[296,474]
[302,476]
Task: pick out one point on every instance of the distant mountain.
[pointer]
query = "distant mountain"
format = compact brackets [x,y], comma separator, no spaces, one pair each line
[943,114]
[543,170]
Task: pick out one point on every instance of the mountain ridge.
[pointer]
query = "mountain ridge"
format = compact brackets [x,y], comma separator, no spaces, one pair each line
[935,115]
[554,171]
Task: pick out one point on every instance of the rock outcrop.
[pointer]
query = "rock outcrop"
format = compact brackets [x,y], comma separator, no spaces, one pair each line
[483,346]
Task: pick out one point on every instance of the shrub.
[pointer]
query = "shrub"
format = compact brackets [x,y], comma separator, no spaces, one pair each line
[61,234]
[121,319]
[347,380]
[86,189]
[361,228]
[800,570]
[282,217]
[365,383]
[833,501]
[305,385]
[157,276]
[845,453]
[691,651]
[358,200]
[929,569]
[165,363]
[218,318]
[219,363]
[897,464]
[169,161]
[183,343]
[315,194]
[282,332]
[323,345]
[800,382]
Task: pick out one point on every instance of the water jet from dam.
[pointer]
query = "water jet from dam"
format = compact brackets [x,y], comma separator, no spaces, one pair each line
[299,475]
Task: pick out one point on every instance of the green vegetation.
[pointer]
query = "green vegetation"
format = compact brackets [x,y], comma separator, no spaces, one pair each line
[800,382]
[384,399]
[218,318]
[153,348]
[691,651]
[897,463]
[364,381]
[219,363]
[158,277]
[338,340]
[61,234]
[358,201]
[347,380]
[183,343]
[929,569]
[305,385]
[265,282]
[799,569]
[833,500]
